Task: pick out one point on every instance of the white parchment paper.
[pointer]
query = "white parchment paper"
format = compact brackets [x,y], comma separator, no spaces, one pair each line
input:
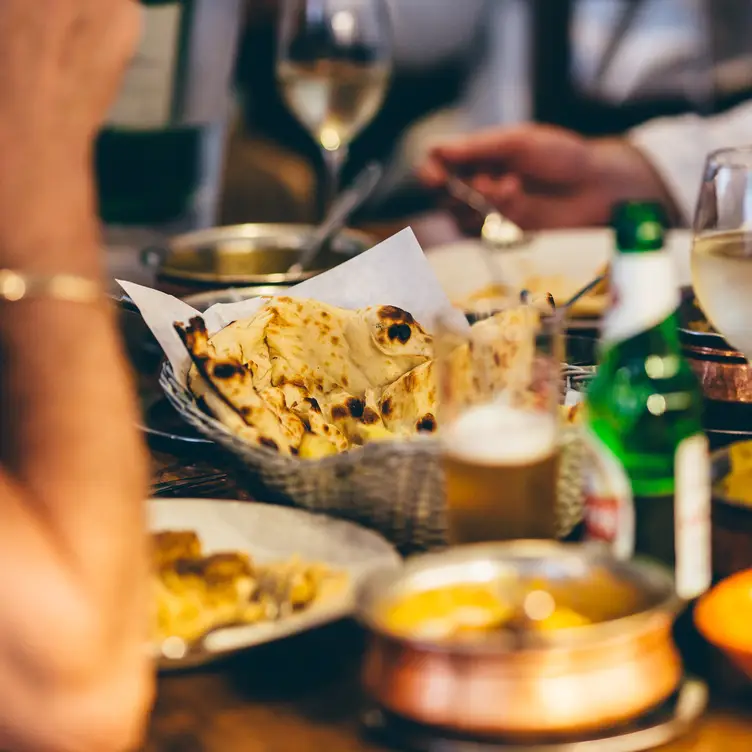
[394,272]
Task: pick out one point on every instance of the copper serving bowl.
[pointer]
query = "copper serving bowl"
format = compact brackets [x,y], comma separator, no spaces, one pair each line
[528,684]
[724,373]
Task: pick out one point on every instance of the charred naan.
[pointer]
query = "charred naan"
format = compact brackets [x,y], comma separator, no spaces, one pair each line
[301,367]
[310,379]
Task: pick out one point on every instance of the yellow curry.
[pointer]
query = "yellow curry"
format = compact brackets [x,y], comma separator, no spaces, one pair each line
[467,609]
[737,485]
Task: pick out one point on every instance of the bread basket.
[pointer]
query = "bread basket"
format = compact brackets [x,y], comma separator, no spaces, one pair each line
[393,487]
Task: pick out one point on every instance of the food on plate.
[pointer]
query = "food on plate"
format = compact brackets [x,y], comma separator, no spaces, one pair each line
[471,609]
[539,286]
[310,379]
[194,592]
[737,485]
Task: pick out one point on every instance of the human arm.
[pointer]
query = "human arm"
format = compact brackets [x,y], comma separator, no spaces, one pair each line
[73,610]
[676,147]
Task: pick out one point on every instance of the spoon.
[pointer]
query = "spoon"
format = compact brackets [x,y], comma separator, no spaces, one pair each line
[345,204]
[498,231]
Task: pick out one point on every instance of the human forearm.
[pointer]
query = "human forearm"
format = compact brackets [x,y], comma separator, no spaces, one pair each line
[74,471]
[68,419]
[74,676]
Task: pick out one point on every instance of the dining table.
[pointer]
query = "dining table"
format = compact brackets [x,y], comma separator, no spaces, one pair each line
[302,693]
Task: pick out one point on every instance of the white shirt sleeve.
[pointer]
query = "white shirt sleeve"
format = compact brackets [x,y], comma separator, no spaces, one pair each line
[428,32]
[677,147]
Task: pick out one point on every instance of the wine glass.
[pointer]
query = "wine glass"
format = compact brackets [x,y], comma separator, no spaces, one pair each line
[333,66]
[722,246]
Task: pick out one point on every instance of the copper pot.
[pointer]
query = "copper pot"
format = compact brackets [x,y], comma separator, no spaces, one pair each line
[724,373]
[531,684]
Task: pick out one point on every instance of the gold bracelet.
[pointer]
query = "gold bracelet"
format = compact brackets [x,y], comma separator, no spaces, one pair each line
[15,286]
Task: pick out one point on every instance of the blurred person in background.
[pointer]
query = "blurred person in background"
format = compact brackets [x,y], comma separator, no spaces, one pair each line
[648,68]
[74,672]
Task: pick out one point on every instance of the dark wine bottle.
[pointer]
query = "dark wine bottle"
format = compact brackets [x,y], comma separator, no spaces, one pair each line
[159,156]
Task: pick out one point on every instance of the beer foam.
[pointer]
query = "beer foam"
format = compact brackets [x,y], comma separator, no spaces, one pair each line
[500,435]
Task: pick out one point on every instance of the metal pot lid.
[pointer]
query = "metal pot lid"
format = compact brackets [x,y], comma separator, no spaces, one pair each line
[249,254]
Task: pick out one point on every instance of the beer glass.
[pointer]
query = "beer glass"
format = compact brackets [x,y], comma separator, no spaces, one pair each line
[499,388]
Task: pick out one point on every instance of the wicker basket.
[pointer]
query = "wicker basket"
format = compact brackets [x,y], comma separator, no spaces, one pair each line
[396,488]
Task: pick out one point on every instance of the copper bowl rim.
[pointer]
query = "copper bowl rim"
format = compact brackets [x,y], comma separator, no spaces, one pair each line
[704,352]
[666,606]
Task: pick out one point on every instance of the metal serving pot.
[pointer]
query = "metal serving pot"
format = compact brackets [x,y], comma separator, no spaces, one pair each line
[531,684]
[250,254]
[724,373]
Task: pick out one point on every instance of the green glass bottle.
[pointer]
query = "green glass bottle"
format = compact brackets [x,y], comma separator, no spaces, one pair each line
[644,411]
[159,156]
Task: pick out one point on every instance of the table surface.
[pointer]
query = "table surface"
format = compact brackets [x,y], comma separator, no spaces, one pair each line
[302,693]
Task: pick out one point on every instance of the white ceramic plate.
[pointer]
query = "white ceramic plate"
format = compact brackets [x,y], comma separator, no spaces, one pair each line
[272,533]
[577,255]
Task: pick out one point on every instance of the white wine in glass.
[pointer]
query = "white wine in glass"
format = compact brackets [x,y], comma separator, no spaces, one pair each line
[333,68]
[334,99]
[722,246]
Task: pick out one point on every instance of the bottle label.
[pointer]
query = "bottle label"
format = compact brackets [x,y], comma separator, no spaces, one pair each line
[643,293]
[692,517]
[609,506]
[148,89]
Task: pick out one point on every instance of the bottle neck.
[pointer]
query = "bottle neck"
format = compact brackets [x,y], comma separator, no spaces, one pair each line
[644,294]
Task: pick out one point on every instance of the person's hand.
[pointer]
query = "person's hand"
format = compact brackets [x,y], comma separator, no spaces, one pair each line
[546,177]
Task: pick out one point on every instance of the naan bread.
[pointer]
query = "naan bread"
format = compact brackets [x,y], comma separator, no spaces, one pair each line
[301,366]
[226,385]
[326,349]
[409,405]
[300,369]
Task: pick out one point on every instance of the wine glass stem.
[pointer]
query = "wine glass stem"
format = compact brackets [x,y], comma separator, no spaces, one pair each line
[334,160]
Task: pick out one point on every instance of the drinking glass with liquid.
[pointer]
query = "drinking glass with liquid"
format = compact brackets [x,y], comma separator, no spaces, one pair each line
[499,383]
[722,246]
[333,67]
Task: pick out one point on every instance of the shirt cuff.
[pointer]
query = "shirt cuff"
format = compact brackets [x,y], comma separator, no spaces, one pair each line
[676,147]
